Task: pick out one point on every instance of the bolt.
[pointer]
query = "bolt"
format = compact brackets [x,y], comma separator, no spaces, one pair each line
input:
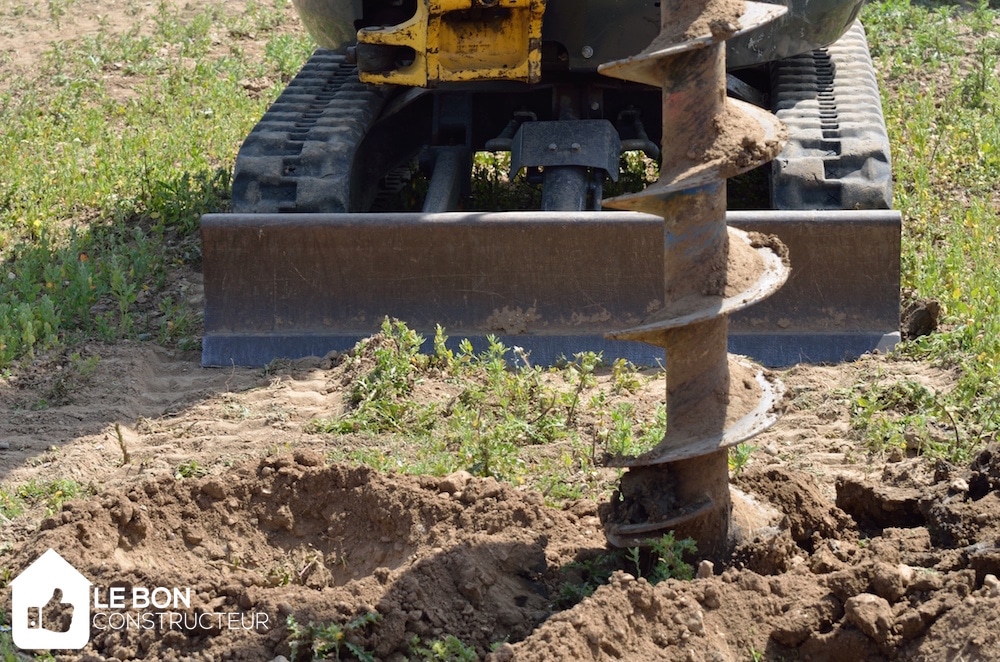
[553,147]
[575,147]
[587,52]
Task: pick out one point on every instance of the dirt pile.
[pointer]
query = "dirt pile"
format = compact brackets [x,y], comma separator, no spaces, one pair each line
[904,567]
[433,557]
[913,583]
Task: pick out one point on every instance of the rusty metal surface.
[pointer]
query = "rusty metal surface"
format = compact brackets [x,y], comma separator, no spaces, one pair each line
[287,285]
[297,272]
[842,297]
[677,447]
[682,486]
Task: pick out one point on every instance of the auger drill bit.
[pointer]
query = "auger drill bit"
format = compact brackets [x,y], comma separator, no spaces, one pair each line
[713,400]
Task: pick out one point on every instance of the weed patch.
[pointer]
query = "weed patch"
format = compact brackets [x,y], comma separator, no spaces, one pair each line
[500,416]
[48,495]
[330,641]
[103,190]
[939,91]
[658,560]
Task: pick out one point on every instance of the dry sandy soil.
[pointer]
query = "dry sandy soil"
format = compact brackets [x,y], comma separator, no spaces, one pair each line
[871,557]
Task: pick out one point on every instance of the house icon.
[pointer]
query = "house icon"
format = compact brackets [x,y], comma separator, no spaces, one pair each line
[50,605]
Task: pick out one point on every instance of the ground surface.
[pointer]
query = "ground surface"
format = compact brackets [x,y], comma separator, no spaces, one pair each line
[872,557]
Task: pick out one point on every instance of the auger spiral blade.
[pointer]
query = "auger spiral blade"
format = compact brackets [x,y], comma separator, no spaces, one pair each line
[713,400]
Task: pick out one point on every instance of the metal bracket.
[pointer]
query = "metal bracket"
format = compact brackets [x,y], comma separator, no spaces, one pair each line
[448,40]
[586,143]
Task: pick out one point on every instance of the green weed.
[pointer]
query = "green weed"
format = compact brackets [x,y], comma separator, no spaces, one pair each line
[447,649]
[629,435]
[50,495]
[584,577]
[178,324]
[936,72]
[908,415]
[667,558]
[625,377]
[499,415]
[379,397]
[286,53]
[739,456]
[495,189]
[330,641]
[190,469]
[658,560]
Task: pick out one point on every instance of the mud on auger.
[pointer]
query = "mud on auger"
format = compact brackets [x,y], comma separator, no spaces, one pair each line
[713,400]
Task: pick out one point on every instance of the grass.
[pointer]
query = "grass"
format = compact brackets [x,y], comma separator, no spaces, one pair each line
[941,97]
[117,143]
[111,152]
[545,427]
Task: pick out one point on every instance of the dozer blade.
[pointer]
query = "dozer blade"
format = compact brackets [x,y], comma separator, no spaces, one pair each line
[553,283]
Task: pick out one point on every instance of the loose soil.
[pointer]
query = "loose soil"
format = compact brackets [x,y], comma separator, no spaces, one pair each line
[871,558]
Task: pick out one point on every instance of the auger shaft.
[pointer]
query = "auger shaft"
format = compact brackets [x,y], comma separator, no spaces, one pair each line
[697,360]
[683,486]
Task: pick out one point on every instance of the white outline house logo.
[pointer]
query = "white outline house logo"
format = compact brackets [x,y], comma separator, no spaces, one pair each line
[51,608]
[50,584]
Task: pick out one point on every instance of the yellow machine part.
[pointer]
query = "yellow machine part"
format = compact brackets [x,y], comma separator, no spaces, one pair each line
[463,40]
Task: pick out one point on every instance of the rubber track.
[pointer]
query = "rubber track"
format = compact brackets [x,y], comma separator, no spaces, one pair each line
[837,156]
[300,156]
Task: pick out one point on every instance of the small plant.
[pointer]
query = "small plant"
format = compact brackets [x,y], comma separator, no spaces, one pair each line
[669,558]
[331,640]
[629,436]
[584,577]
[379,398]
[663,559]
[178,324]
[580,371]
[190,469]
[624,377]
[903,414]
[658,560]
[739,456]
[448,649]
[287,52]
[279,576]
